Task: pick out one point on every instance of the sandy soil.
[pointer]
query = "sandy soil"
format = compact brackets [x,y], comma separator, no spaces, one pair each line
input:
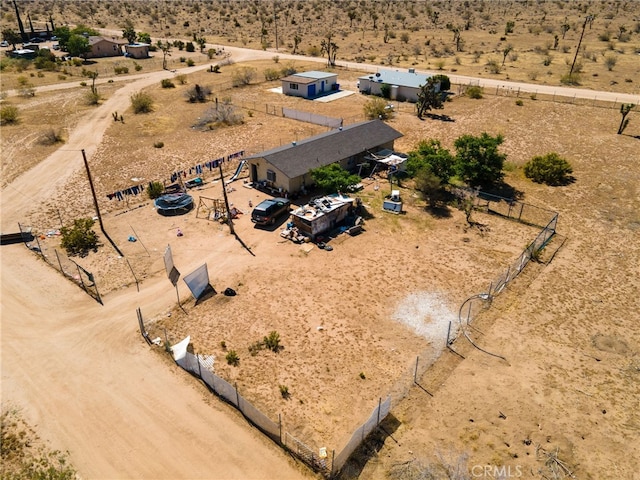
[566,329]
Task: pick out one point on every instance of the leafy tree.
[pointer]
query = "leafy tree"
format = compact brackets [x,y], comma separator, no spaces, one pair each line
[430,155]
[64,34]
[429,185]
[377,108]
[80,238]
[550,169]
[445,82]
[333,178]
[190,47]
[625,108]
[11,36]
[78,45]
[84,30]
[385,90]
[429,97]
[478,161]
[144,37]
[129,32]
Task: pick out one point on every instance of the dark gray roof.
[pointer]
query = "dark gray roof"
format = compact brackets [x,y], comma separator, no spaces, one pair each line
[297,159]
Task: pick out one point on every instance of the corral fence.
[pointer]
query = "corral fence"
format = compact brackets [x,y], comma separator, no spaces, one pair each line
[522,212]
[321,460]
[555,97]
[61,262]
[300,115]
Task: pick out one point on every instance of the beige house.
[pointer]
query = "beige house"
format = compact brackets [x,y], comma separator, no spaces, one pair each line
[286,169]
[105,47]
[137,50]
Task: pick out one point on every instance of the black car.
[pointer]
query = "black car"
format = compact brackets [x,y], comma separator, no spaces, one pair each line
[267,212]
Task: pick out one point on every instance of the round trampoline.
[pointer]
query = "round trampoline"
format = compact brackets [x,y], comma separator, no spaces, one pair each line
[174,204]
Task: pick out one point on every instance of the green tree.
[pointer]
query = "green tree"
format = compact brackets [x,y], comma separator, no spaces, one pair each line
[129,32]
[78,45]
[144,37]
[625,108]
[84,30]
[79,239]
[190,47]
[64,34]
[429,185]
[478,161]
[11,36]
[430,155]
[429,97]
[551,169]
[333,178]
[445,82]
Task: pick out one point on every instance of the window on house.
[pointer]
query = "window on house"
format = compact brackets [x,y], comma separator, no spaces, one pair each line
[293,86]
[271,175]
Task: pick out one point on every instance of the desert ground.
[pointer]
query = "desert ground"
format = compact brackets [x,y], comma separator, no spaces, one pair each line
[566,327]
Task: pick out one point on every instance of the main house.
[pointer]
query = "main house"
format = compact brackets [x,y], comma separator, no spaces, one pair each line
[286,169]
[403,86]
[104,47]
[309,84]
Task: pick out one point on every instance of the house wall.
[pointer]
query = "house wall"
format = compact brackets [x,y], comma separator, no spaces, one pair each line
[301,91]
[104,48]
[137,51]
[408,94]
[281,180]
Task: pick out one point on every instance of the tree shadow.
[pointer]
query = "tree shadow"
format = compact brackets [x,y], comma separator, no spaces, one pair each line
[442,118]
[504,190]
[369,448]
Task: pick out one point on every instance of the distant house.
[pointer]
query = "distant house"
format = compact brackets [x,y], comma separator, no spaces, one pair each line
[137,50]
[104,47]
[309,84]
[25,53]
[404,86]
[286,169]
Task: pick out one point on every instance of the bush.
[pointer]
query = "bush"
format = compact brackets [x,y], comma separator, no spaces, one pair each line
[284,391]
[155,190]
[50,137]
[190,62]
[8,115]
[182,79]
[377,108]
[519,102]
[120,70]
[243,76]
[167,83]
[570,79]
[475,91]
[198,94]
[92,97]
[79,239]
[141,102]
[232,358]
[158,144]
[271,74]
[272,341]
[550,169]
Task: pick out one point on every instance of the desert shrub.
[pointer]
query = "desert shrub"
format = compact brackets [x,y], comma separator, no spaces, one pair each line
[190,63]
[182,79]
[137,66]
[550,169]
[570,79]
[377,108]
[271,74]
[190,47]
[183,59]
[475,91]
[158,144]
[385,90]
[92,97]
[313,51]
[120,70]
[493,65]
[224,113]
[80,238]
[519,102]
[9,115]
[546,61]
[610,61]
[155,190]
[83,83]
[198,94]
[50,137]
[232,358]
[167,83]
[272,341]
[243,76]
[141,102]
[284,391]
[604,36]
[276,59]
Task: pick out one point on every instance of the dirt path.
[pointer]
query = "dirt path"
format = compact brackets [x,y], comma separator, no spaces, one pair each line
[83,374]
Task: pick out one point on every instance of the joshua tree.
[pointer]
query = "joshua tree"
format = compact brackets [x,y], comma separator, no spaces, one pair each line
[625,108]
[328,46]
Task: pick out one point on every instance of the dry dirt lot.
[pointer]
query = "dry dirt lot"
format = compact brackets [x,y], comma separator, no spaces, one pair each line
[566,328]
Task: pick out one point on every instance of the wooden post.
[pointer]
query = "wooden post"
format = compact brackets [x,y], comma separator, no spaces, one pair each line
[415,373]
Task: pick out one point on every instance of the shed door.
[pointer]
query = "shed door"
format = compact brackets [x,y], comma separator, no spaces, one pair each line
[311,90]
[322,86]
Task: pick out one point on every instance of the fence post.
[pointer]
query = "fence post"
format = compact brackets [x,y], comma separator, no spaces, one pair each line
[235,384]
[59,262]
[80,277]
[379,403]
[521,209]
[415,373]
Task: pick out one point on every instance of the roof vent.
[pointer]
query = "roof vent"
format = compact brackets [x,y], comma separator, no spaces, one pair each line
[377,74]
[412,70]
[294,143]
[340,128]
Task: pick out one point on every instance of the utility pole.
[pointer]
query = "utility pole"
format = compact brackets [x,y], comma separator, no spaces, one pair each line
[586,20]
[95,203]
[275,22]
[226,200]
